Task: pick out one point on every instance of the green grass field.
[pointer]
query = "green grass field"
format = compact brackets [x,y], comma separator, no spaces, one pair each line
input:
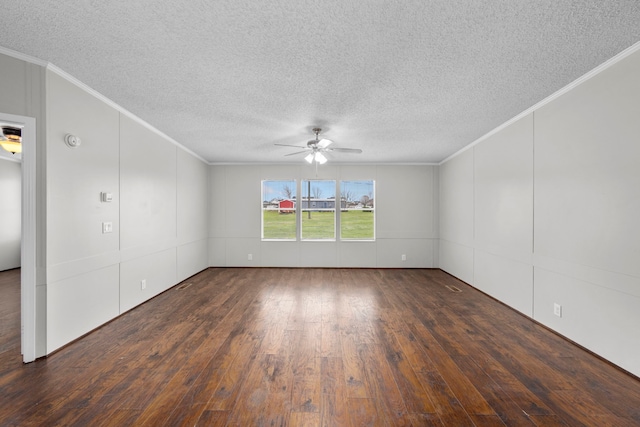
[356,225]
[321,225]
[279,226]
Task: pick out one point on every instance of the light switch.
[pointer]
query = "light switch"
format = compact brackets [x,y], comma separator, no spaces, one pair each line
[106,197]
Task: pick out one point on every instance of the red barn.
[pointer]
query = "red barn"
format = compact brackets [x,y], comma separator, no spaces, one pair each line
[286,206]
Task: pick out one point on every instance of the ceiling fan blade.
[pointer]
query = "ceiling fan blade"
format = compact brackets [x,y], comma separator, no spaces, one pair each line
[297,152]
[324,143]
[346,150]
[288,145]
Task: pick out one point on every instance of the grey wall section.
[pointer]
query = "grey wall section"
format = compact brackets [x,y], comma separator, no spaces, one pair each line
[546,211]
[159,212]
[10,211]
[406,218]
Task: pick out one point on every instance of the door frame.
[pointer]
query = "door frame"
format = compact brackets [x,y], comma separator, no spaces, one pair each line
[28,250]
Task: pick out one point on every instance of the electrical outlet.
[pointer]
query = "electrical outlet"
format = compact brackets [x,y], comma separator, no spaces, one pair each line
[404,257]
[107,227]
[557,309]
[143,284]
[250,257]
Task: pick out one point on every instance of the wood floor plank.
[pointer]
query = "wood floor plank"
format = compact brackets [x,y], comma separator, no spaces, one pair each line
[304,419]
[266,394]
[413,394]
[383,387]
[330,341]
[462,387]
[333,409]
[213,419]
[364,412]
[305,362]
[354,370]
[330,347]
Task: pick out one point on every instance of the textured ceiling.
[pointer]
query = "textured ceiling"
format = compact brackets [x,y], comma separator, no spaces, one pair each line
[404,80]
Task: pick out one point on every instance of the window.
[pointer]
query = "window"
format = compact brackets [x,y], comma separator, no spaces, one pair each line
[279,210]
[357,216]
[318,210]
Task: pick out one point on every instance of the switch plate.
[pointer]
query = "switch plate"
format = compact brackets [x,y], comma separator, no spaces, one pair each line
[404,257]
[250,257]
[557,309]
[106,197]
[143,284]
[107,227]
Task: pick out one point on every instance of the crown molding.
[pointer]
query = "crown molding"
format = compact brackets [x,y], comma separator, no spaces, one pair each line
[119,108]
[53,68]
[330,163]
[23,57]
[577,82]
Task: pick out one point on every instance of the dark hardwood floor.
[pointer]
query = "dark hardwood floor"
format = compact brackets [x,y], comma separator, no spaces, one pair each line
[310,347]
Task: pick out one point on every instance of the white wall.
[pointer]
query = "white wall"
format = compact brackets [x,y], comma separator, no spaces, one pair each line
[406,218]
[159,212]
[10,211]
[587,213]
[546,211]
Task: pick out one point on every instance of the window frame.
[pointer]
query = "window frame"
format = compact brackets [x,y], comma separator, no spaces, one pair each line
[294,211]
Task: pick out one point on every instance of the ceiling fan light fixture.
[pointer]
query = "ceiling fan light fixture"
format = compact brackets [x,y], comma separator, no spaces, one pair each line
[11,146]
[320,158]
[11,139]
[316,148]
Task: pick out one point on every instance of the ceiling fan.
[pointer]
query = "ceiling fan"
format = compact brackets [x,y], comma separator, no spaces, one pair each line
[317,147]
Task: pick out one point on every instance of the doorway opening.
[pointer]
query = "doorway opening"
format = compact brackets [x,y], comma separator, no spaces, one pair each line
[27,233]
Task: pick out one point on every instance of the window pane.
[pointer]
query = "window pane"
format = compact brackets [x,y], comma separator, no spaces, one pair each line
[356,224]
[318,209]
[357,217]
[318,225]
[279,210]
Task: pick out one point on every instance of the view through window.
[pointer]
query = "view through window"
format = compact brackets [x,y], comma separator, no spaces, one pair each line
[357,219]
[279,210]
[317,210]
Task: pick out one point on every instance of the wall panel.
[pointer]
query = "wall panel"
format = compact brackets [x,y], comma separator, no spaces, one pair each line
[192,258]
[279,254]
[147,186]
[555,213]
[121,155]
[406,218]
[77,176]
[406,204]
[158,270]
[457,260]
[192,198]
[80,304]
[456,199]
[13,86]
[503,191]
[505,279]
[587,180]
[419,253]
[601,319]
